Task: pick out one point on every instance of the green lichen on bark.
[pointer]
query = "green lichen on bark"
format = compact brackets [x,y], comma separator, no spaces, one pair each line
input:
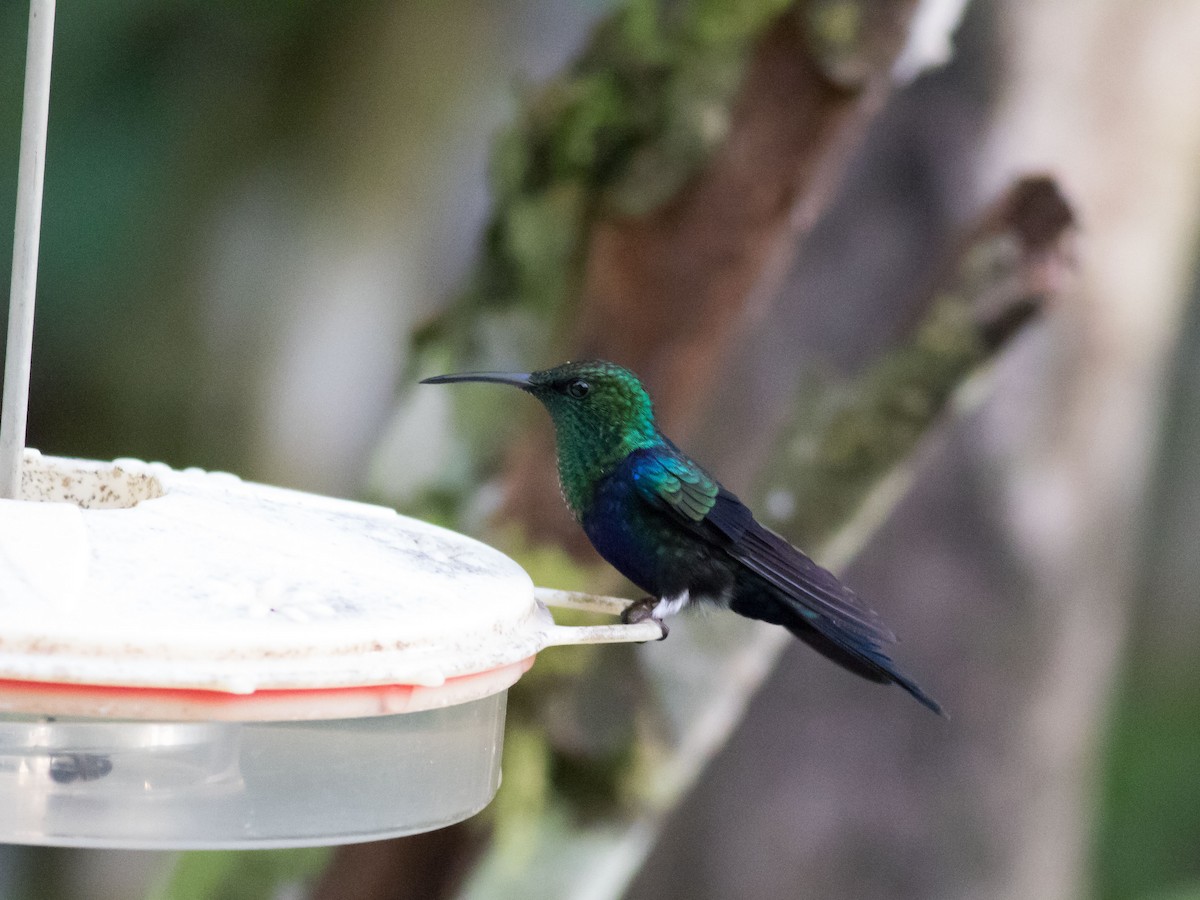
[844,37]
[839,446]
[619,133]
[837,449]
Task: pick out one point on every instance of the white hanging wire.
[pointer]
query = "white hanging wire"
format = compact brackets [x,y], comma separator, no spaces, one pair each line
[26,235]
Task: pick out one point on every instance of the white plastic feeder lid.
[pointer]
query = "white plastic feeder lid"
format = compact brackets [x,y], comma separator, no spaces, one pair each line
[305,670]
[164,594]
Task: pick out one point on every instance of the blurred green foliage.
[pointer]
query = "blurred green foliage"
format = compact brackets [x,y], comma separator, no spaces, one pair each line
[1149,837]
[232,875]
[153,108]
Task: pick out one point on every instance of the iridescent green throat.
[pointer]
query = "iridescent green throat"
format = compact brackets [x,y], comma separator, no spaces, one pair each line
[585,456]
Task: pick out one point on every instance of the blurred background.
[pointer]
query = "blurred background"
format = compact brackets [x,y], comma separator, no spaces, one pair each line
[263,220]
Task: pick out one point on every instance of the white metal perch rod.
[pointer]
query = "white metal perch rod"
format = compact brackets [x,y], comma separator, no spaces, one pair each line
[26,233]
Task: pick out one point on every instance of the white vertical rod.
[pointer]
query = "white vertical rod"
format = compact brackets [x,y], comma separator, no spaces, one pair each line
[26,235]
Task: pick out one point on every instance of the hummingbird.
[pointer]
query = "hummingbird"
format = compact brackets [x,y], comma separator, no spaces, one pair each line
[668,526]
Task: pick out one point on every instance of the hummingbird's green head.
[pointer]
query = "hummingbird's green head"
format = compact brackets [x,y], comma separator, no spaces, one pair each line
[600,410]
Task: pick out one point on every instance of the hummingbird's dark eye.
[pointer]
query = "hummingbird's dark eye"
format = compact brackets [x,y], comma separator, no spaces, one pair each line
[578,389]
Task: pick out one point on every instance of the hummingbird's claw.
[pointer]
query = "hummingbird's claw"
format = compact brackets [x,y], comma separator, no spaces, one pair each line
[641,611]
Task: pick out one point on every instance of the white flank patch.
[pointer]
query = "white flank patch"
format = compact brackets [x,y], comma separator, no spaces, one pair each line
[668,606]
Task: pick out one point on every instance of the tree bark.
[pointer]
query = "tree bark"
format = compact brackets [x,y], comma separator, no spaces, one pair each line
[665,294]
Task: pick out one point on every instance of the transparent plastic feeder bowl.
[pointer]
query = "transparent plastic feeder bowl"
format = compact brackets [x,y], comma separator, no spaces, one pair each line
[207,785]
[188,660]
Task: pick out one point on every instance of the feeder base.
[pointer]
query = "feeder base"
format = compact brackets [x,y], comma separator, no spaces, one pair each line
[246,785]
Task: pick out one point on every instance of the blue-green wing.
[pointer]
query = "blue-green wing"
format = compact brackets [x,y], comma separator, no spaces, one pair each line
[807,599]
[672,483]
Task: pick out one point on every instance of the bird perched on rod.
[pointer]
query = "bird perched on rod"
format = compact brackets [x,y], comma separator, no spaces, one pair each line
[674,531]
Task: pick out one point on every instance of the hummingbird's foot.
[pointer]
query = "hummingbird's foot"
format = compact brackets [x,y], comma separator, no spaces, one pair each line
[643,610]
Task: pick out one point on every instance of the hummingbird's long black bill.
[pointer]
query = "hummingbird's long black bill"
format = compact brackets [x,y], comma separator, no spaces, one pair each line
[516,379]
